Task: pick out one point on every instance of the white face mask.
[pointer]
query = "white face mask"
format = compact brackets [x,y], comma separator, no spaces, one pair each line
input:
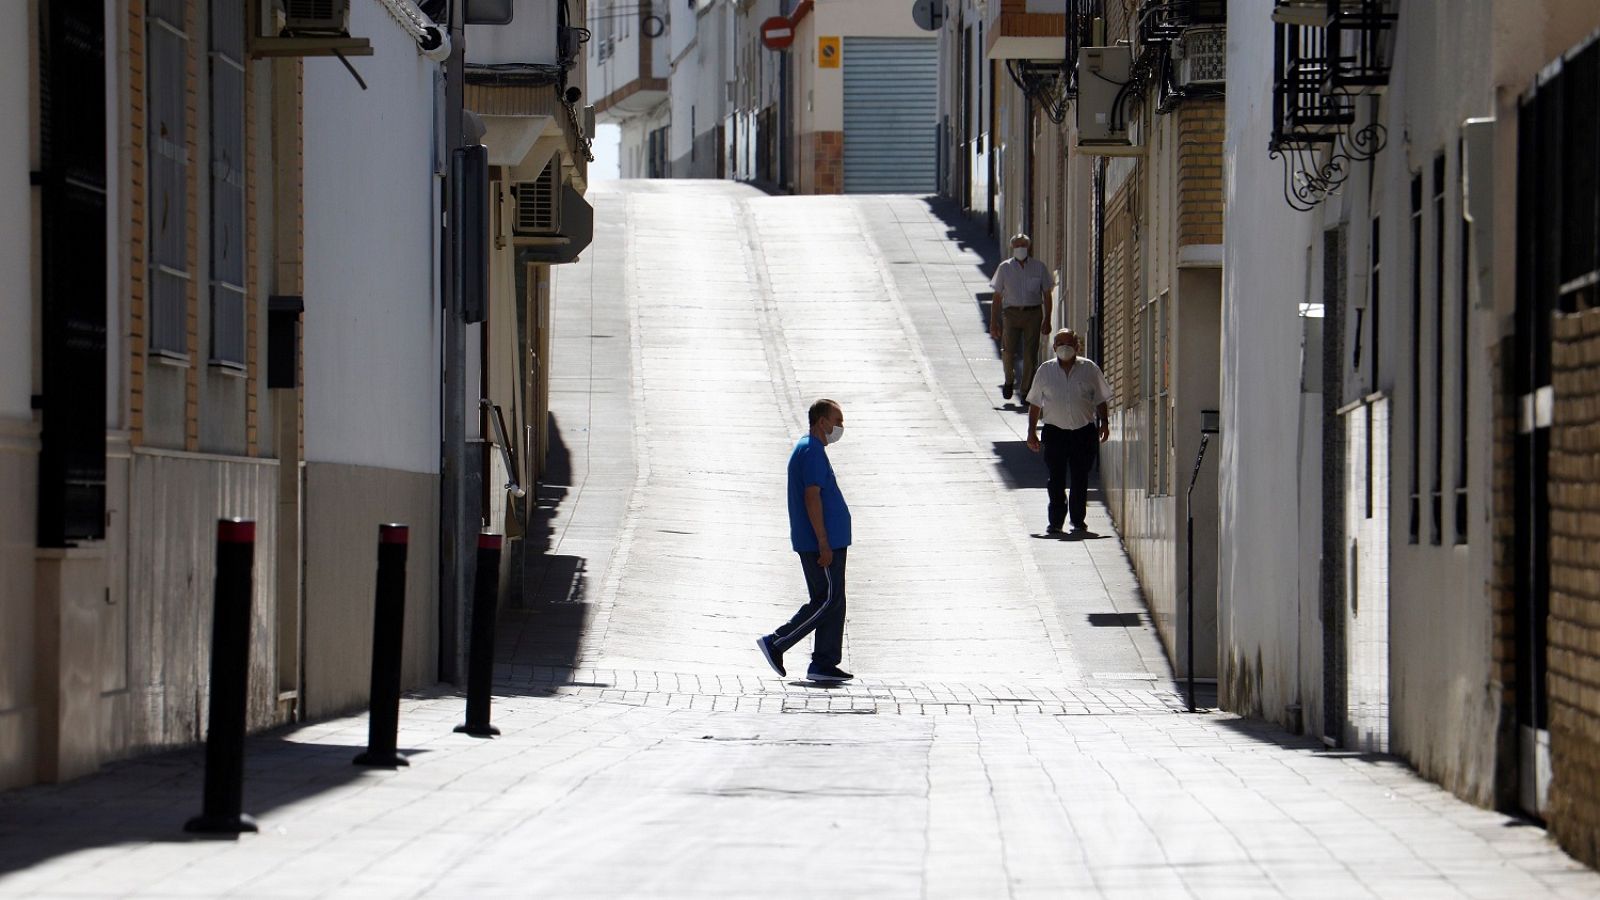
[835,434]
[1066,353]
[1019,253]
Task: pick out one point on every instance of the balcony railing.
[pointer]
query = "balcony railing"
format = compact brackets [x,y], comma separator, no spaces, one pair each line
[1360,45]
[1326,54]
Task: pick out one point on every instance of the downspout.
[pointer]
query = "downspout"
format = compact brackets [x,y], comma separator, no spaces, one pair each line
[1096,250]
[1027,162]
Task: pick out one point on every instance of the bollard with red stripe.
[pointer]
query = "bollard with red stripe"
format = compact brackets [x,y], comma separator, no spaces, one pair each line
[388,644]
[480,660]
[221,811]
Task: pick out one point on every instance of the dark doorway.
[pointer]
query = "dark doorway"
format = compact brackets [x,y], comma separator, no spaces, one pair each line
[72,179]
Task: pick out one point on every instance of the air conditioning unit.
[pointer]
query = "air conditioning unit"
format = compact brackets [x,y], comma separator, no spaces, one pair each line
[1106,102]
[538,206]
[1202,57]
[316,16]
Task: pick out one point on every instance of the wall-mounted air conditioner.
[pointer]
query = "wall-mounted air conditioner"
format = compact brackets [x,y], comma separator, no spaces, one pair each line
[316,16]
[538,204]
[1106,102]
[1201,57]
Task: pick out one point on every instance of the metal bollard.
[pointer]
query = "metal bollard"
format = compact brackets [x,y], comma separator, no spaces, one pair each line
[480,660]
[220,811]
[388,631]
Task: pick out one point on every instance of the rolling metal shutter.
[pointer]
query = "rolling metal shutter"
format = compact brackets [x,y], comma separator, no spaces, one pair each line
[891,99]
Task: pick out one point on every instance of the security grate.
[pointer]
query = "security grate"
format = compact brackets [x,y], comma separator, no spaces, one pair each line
[1205,56]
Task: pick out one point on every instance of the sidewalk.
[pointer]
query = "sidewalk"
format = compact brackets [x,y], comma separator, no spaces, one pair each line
[1015,730]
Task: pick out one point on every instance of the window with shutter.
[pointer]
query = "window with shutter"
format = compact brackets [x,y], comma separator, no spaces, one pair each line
[227,184]
[166,49]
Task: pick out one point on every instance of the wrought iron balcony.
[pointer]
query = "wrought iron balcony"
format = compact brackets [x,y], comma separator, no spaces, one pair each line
[1303,112]
[1326,53]
[1360,45]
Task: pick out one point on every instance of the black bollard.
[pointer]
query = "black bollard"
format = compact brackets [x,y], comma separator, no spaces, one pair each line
[480,662]
[388,632]
[221,808]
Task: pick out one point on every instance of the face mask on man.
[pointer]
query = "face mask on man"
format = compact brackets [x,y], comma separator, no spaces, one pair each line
[1019,253]
[835,434]
[1066,353]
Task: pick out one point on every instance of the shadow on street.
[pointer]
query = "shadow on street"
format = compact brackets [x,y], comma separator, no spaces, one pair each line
[544,623]
[148,799]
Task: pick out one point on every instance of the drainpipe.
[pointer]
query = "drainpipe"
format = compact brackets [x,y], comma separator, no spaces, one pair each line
[1027,162]
[453,453]
[1096,250]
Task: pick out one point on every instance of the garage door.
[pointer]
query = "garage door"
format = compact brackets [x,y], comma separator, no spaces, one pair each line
[891,100]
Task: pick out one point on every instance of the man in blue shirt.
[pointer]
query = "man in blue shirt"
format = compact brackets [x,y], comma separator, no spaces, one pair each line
[819,530]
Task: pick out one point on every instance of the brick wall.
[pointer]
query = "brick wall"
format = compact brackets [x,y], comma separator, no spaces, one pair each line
[1503,580]
[1574,635]
[1124,290]
[1014,20]
[1200,204]
[822,162]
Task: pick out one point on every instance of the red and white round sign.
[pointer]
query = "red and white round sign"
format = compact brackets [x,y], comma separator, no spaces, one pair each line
[777,33]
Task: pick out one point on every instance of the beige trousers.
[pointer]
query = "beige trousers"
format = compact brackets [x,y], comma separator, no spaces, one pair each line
[1020,333]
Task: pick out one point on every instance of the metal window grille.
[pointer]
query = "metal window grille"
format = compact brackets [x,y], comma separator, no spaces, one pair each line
[1205,56]
[1436,495]
[1375,304]
[1463,351]
[227,184]
[167,210]
[1416,358]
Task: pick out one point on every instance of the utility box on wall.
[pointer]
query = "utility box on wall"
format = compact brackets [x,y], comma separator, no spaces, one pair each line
[1106,102]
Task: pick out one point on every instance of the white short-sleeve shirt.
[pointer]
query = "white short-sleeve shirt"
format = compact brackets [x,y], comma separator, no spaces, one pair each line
[1068,399]
[1022,283]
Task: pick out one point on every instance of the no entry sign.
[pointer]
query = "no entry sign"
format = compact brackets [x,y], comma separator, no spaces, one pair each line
[777,33]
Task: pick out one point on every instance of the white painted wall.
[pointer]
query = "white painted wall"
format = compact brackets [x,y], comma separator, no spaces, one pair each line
[530,38]
[17,283]
[683,96]
[617,30]
[1441,609]
[822,90]
[1258,477]
[372,309]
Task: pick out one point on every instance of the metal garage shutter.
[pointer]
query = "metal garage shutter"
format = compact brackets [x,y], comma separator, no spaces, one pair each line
[891,99]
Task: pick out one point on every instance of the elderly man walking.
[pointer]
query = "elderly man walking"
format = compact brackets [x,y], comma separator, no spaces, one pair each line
[1069,394]
[1019,315]
[819,531]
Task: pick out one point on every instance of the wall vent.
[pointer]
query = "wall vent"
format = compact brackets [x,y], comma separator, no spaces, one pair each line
[538,210]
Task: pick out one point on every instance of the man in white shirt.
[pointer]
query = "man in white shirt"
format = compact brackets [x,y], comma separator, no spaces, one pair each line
[1019,315]
[1069,394]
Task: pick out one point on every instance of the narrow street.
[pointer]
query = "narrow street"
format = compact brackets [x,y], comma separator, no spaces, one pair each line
[1014,729]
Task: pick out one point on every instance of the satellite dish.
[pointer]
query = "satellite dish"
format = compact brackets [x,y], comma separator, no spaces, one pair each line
[928,14]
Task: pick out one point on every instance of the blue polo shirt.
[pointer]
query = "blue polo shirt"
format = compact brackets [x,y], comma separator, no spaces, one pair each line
[809,467]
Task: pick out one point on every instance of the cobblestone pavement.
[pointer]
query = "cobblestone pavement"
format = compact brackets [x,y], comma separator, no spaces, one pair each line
[1015,729]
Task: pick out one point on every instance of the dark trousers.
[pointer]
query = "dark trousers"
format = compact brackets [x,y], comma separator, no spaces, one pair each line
[823,613]
[1069,454]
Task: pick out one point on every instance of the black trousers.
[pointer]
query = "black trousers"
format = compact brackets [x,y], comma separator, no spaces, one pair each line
[823,612]
[1069,454]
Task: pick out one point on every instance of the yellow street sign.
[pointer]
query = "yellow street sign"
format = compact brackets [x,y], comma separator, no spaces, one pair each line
[828,52]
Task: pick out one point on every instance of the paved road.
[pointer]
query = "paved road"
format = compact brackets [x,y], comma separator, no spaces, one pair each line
[1014,730]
